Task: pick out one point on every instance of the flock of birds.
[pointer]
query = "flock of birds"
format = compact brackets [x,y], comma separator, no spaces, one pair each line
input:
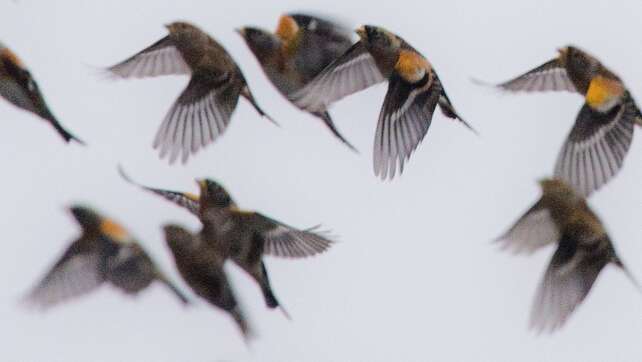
[314,63]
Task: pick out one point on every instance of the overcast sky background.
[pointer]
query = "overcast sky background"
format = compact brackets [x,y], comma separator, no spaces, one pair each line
[415,276]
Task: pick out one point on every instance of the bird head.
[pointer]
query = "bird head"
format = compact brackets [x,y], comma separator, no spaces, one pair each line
[261,42]
[575,58]
[559,191]
[86,217]
[177,27]
[378,38]
[212,194]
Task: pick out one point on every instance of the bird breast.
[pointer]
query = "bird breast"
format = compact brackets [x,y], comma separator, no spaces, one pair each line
[604,93]
[411,66]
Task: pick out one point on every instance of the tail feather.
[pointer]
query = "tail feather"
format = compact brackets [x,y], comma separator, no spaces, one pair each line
[176,291]
[628,274]
[66,135]
[449,111]
[325,116]
[242,324]
[248,95]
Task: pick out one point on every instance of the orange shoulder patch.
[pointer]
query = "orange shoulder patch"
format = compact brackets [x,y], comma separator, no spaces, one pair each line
[411,66]
[603,93]
[11,56]
[114,230]
[287,29]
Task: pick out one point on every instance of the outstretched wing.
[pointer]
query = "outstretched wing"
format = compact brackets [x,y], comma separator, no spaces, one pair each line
[534,230]
[79,271]
[404,120]
[284,241]
[567,281]
[595,149]
[160,58]
[199,116]
[550,76]
[183,199]
[353,71]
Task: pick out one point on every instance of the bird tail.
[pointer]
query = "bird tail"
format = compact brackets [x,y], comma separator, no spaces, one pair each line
[242,324]
[325,117]
[628,274]
[448,110]
[248,95]
[268,294]
[175,290]
[66,135]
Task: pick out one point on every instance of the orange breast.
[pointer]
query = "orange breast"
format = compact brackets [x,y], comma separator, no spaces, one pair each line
[603,92]
[411,66]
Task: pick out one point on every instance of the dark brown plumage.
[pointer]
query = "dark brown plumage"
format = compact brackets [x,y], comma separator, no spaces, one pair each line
[414,91]
[300,48]
[250,235]
[201,266]
[562,217]
[19,88]
[595,148]
[203,111]
[104,253]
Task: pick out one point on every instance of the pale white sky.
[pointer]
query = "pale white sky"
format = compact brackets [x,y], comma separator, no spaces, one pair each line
[415,276]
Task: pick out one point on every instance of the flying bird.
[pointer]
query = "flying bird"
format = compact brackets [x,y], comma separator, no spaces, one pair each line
[300,48]
[201,266]
[414,91]
[203,111]
[562,217]
[104,253]
[599,141]
[252,235]
[18,86]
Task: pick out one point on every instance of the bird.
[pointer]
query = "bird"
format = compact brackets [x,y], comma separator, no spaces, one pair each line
[105,252]
[252,234]
[414,91]
[596,146]
[562,217]
[300,48]
[18,86]
[201,266]
[204,109]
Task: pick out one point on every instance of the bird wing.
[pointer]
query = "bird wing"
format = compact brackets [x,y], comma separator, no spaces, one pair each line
[566,282]
[199,115]
[355,70]
[79,271]
[550,76]
[183,199]
[284,241]
[534,230]
[403,122]
[594,150]
[160,58]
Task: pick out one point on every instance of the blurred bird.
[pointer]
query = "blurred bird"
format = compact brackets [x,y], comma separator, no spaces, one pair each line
[562,216]
[300,48]
[19,88]
[251,234]
[203,111]
[105,252]
[414,91]
[201,266]
[594,150]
